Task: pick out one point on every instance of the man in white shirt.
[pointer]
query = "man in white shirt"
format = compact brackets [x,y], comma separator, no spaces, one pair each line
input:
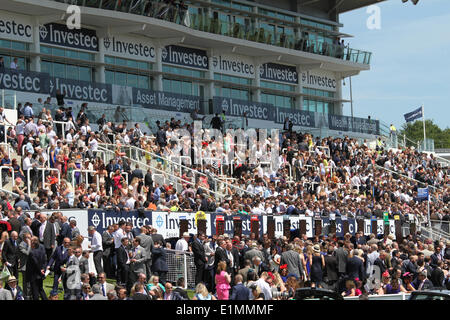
[264,286]
[119,234]
[14,64]
[96,247]
[182,244]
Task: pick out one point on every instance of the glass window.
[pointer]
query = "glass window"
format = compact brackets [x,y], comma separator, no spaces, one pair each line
[18,45]
[109,76]
[109,60]
[320,106]
[143,82]
[121,78]
[132,64]
[46,67]
[58,52]
[226,92]
[132,80]
[5,44]
[176,86]
[186,88]
[59,70]
[167,85]
[72,54]
[72,72]
[121,62]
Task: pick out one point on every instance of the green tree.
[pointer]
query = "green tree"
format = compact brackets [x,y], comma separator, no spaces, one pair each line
[414,132]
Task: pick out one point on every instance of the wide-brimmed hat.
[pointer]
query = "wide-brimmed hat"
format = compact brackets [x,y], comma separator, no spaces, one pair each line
[316,248]
[11,279]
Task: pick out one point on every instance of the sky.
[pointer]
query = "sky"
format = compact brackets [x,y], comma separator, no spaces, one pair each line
[410,63]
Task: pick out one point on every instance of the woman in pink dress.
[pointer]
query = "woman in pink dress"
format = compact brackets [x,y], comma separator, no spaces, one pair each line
[223,280]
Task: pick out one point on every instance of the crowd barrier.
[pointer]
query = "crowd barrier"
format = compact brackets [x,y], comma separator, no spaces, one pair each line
[168,223]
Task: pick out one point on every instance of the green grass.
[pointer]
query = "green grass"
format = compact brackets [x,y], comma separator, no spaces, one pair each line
[48,284]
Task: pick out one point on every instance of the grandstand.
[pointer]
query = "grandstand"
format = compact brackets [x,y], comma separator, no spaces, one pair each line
[146,69]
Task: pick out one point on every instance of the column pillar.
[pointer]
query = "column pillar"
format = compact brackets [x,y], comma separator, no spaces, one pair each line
[299,90]
[36,47]
[257,82]
[100,58]
[338,106]
[158,85]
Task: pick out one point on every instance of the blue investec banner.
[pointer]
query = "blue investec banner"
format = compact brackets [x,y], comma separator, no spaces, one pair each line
[59,35]
[186,57]
[101,219]
[19,80]
[82,90]
[229,224]
[168,223]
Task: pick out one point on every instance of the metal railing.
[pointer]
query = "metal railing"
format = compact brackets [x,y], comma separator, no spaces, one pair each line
[43,177]
[86,172]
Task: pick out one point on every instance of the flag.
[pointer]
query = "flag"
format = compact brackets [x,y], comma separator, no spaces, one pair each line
[416,114]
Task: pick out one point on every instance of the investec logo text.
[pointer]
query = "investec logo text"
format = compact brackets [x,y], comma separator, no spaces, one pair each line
[320,81]
[60,35]
[104,220]
[80,91]
[278,72]
[12,28]
[223,65]
[134,49]
[185,56]
[238,107]
[20,82]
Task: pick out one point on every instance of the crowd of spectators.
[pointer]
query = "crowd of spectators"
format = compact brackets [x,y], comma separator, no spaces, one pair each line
[315,177]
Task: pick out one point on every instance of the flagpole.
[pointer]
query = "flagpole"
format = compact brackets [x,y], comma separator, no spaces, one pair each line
[424,132]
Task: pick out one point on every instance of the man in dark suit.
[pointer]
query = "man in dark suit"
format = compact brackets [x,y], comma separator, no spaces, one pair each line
[36,224]
[10,254]
[35,269]
[2,65]
[147,244]
[435,257]
[58,258]
[123,261]
[331,270]
[199,258]
[159,264]
[15,223]
[148,180]
[240,292]
[26,228]
[161,137]
[341,259]
[355,267]
[233,256]
[140,293]
[437,275]
[421,282]
[381,262]
[137,173]
[221,254]
[108,248]
[292,259]
[66,231]
[49,239]
[156,237]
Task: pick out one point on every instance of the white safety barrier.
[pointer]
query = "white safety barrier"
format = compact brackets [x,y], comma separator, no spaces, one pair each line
[181,264]
[1,175]
[86,172]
